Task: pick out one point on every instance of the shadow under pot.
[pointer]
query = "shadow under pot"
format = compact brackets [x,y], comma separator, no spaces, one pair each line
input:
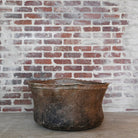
[68,104]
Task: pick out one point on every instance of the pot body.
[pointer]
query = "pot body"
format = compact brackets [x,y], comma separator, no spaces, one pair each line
[67,104]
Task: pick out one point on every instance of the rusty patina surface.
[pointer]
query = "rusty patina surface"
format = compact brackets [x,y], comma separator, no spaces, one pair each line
[68,104]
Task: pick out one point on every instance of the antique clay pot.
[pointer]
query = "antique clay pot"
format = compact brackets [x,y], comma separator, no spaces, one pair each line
[68,104]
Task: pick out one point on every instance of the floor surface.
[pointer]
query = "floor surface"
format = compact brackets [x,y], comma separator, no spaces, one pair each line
[115,125]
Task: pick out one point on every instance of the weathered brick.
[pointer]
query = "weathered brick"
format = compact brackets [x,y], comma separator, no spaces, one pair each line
[72,15]
[13,2]
[23,9]
[63,75]
[82,75]
[91,3]
[122,61]
[43,48]
[52,3]
[23,75]
[5,102]
[32,28]
[34,55]
[105,3]
[72,29]
[101,75]
[100,9]
[33,15]
[72,41]
[12,15]
[82,61]
[62,35]
[33,3]
[111,29]
[42,22]
[52,28]
[82,22]
[62,48]
[52,16]
[62,22]
[82,9]
[43,35]
[72,55]
[72,3]
[112,41]
[42,75]
[32,68]
[111,54]
[72,68]
[53,41]
[12,95]
[112,68]
[52,68]
[3,9]
[92,68]
[43,9]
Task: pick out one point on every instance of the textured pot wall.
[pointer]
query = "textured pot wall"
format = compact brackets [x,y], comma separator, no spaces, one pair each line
[91,40]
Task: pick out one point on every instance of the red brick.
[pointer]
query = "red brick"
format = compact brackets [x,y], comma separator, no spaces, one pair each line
[42,22]
[102,75]
[109,4]
[52,28]
[12,95]
[23,9]
[62,22]
[33,55]
[32,68]
[52,55]
[42,75]
[91,29]
[53,41]
[52,16]
[120,22]
[43,61]
[92,16]
[22,102]
[23,75]
[82,48]
[72,68]
[43,9]
[62,48]
[72,29]
[72,55]
[32,15]
[13,2]
[12,109]
[82,75]
[82,61]
[112,68]
[111,16]
[43,48]
[5,102]
[32,28]
[2,9]
[91,3]
[112,41]
[62,61]
[82,9]
[52,3]
[81,22]
[43,35]
[111,29]
[72,3]
[111,54]
[52,68]
[72,15]
[23,22]
[63,75]
[33,3]
[72,41]
[118,48]
[117,35]
[100,9]
[27,95]
[12,15]
[92,68]
[91,55]
[27,62]
[122,61]
[62,35]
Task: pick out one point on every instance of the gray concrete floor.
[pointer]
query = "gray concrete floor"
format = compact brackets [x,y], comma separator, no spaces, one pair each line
[115,125]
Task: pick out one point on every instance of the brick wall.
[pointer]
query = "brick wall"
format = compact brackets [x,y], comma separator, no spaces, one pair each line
[91,40]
